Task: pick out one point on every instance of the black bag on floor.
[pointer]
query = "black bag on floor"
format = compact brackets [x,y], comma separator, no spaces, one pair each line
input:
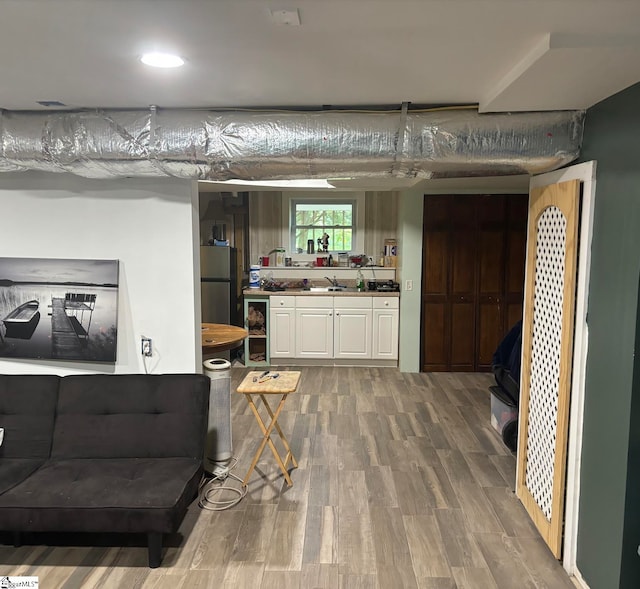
[506,364]
[506,370]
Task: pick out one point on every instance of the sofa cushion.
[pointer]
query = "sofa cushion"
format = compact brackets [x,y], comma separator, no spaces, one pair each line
[131,416]
[110,495]
[27,412]
[15,470]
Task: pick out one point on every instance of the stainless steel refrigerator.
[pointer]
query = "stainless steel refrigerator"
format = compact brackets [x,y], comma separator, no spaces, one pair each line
[218,283]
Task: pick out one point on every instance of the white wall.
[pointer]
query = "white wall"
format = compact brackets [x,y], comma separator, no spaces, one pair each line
[149,225]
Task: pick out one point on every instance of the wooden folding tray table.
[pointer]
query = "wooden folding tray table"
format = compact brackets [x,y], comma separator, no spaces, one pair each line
[263,385]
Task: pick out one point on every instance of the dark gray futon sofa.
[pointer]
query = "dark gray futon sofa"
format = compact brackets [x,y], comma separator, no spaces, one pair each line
[101,453]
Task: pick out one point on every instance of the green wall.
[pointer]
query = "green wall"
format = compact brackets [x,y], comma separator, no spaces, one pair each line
[630,573]
[608,531]
[410,206]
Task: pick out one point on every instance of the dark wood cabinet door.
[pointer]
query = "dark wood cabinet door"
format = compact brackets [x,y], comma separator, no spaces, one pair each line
[435,346]
[516,239]
[489,319]
[473,278]
[462,286]
[462,349]
[435,290]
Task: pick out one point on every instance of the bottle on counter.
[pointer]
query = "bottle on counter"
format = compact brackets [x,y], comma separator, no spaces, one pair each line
[330,261]
[254,276]
[360,281]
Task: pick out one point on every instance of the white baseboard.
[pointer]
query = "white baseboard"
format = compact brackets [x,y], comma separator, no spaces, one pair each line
[578,581]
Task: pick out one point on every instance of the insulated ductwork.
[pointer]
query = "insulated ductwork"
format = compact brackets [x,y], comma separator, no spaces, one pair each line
[263,145]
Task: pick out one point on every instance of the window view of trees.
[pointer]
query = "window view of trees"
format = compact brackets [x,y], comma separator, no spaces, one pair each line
[311,220]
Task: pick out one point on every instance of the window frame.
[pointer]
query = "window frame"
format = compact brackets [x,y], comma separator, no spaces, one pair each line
[356,199]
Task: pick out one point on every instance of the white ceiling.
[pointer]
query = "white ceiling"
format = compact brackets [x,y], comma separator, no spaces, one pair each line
[501,54]
[504,55]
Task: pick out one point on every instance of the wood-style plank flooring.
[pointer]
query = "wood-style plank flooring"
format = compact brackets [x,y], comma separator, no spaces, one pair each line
[401,483]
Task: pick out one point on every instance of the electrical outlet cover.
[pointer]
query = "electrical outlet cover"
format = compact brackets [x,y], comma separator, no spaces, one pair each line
[146,346]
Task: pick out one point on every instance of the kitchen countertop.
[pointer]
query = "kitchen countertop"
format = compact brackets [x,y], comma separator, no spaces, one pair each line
[348,292]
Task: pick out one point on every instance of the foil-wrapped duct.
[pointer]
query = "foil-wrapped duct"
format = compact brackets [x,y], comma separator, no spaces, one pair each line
[274,145]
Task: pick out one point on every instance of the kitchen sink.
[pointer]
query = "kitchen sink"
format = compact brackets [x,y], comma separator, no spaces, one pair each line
[326,288]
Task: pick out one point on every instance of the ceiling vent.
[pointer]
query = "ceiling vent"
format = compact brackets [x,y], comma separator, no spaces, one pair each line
[51,103]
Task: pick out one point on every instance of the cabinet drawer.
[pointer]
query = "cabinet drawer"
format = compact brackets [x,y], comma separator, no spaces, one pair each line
[386,302]
[352,302]
[314,302]
[280,302]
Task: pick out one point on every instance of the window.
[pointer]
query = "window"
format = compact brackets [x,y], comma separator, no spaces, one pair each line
[310,219]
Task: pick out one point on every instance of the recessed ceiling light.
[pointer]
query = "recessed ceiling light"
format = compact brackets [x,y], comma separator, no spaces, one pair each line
[166,60]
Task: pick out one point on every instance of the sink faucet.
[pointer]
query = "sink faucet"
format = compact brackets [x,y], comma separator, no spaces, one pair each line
[333,282]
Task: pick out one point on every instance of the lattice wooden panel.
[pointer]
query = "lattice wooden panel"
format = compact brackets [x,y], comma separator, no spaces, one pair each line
[545,356]
[547,343]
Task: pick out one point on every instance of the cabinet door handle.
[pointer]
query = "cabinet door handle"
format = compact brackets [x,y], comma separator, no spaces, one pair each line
[331,314]
[281,303]
[386,303]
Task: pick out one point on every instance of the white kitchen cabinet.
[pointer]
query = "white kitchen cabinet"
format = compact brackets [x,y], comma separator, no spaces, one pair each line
[282,323]
[385,328]
[314,327]
[334,328]
[352,327]
[314,333]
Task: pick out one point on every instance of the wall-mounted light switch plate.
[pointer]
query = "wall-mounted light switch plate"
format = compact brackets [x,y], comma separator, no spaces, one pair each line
[408,284]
